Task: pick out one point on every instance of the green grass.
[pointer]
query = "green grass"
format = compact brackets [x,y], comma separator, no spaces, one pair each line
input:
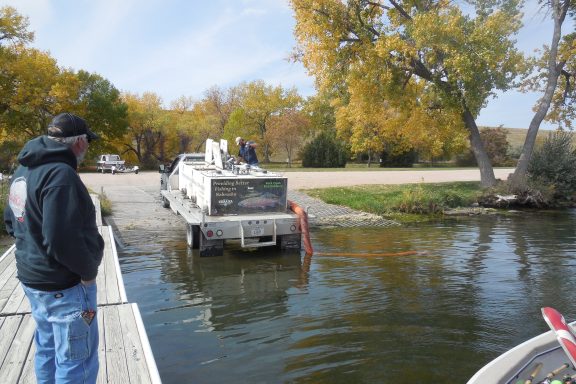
[355,167]
[391,200]
[105,204]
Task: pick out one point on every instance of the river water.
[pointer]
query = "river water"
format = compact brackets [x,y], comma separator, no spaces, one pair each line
[473,290]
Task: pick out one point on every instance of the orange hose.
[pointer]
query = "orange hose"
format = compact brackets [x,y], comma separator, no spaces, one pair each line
[405,253]
[303,226]
[303,216]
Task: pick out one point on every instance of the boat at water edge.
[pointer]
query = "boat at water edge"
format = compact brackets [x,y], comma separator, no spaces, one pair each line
[549,358]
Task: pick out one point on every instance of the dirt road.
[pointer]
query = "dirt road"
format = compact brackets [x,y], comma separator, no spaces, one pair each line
[307,180]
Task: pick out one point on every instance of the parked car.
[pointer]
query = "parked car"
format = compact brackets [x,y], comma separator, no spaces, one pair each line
[113,163]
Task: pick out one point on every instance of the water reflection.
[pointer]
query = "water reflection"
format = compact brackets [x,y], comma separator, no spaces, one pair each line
[474,290]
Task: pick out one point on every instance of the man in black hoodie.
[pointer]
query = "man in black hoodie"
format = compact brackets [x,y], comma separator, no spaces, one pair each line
[58,250]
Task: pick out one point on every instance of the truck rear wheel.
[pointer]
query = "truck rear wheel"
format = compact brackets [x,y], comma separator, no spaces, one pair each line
[165,202]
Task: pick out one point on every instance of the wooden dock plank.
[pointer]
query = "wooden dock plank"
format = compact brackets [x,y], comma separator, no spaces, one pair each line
[112,290]
[28,375]
[8,288]
[14,301]
[102,377]
[8,271]
[25,303]
[6,259]
[7,333]
[13,364]
[96,202]
[116,365]
[135,358]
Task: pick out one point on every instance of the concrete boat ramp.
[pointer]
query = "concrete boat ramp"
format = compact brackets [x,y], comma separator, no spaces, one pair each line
[124,352]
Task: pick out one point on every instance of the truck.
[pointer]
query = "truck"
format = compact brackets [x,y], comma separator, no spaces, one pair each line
[113,164]
[222,201]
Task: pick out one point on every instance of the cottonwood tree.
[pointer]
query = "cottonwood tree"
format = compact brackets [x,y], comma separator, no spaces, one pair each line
[14,28]
[386,59]
[33,89]
[221,103]
[181,109]
[259,103]
[555,78]
[145,125]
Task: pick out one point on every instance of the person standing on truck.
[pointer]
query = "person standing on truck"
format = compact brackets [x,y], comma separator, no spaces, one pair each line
[247,151]
[58,250]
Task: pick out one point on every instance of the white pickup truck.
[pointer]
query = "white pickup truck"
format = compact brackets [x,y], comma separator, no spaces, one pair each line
[113,164]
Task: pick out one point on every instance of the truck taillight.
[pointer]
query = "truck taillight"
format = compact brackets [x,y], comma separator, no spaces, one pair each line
[219,233]
[209,233]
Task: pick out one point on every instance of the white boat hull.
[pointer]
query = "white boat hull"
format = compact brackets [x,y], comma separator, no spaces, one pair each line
[518,363]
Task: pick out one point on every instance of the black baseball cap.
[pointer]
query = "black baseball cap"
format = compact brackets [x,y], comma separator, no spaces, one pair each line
[68,125]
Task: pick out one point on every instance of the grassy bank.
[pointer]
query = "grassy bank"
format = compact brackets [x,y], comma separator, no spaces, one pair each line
[404,200]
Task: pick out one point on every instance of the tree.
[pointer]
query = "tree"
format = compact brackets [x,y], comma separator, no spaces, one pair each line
[556,66]
[33,89]
[181,110]
[287,131]
[28,97]
[389,58]
[320,113]
[496,143]
[13,33]
[14,27]
[100,103]
[260,102]
[145,120]
[221,104]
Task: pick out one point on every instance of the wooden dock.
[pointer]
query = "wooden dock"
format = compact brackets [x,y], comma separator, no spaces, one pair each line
[124,352]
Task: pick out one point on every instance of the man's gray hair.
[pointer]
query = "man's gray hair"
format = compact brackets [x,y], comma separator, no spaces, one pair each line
[66,140]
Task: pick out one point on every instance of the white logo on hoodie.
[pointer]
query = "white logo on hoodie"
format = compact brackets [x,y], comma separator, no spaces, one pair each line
[17,198]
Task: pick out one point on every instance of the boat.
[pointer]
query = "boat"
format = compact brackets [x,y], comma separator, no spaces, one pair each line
[549,358]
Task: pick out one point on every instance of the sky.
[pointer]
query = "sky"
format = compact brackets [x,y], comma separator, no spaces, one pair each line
[180,48]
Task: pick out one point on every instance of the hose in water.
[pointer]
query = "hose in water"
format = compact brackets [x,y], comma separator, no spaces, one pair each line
[303,226]
[303,216]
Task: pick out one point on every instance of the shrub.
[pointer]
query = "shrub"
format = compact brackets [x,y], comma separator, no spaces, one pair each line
[554,164]
[406,159]
[496,146]
[324,152]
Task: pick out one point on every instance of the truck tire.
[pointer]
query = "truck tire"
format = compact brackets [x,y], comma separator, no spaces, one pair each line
[165,202]
[192,236]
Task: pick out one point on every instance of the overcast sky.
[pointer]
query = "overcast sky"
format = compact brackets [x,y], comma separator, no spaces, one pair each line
[183,47]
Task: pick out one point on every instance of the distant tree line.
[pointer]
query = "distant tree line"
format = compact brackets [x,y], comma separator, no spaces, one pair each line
[396,81]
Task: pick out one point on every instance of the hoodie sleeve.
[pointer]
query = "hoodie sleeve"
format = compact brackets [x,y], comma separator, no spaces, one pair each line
[69,230]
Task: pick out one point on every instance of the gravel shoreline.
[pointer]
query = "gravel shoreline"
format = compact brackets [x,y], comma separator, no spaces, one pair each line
[321,213]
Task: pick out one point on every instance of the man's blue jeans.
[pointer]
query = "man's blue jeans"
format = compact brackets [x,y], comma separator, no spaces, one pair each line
[66,336]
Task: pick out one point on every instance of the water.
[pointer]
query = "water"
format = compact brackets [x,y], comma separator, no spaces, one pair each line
[474,290]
